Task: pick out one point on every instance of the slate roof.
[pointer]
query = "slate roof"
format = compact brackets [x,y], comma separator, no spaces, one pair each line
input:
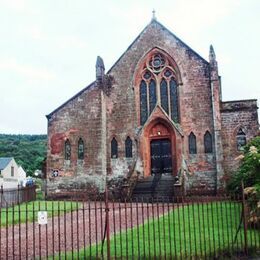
[4,162]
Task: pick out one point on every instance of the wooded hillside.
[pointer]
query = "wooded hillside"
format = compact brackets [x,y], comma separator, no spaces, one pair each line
[29,151]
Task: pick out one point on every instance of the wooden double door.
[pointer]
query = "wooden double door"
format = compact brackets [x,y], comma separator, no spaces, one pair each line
[161,156]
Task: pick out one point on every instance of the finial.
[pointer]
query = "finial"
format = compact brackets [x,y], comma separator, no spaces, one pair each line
[153,17]
[100,69]
[212,55]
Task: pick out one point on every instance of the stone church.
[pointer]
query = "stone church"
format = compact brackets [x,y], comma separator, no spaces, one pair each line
[154,121]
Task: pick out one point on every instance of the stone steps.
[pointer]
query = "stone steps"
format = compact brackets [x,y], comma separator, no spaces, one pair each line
[160,190]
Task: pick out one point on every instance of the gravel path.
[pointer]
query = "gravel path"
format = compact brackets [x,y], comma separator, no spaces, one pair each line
[73,230]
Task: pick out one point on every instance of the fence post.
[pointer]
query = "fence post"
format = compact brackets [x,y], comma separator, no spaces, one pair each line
[107,223]
[244,209]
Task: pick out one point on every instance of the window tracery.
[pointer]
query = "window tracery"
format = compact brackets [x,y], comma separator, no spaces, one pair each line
[158,85]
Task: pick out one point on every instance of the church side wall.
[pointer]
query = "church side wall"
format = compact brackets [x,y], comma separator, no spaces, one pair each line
[79,118]
[195,105]
[235,115]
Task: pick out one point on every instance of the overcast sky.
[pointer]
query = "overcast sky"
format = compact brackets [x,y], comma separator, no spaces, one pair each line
[48,48]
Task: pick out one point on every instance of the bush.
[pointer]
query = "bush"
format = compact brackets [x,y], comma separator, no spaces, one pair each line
[249,170]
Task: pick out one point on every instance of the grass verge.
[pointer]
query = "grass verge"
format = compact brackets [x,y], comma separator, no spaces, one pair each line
[203,230]
[28,211]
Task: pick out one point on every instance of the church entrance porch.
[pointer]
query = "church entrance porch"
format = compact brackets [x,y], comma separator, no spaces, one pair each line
[158,148]
[161,157]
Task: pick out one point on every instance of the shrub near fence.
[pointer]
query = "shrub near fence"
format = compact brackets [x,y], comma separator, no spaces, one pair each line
[203,227]
[17,195]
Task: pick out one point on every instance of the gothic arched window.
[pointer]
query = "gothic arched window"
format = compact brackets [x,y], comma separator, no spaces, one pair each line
[143,102]
[80,149]
[241,139]
[114,148]
[192,144]
[158,77]
[67,148]
[128,147]
[208,142]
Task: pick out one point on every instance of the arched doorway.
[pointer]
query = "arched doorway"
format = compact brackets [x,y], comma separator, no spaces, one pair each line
[159,149]
[161,156]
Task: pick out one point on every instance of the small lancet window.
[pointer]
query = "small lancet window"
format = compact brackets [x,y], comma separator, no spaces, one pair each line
[128,148]
[208,142]
[80,149]
[192,144]
[67,150]
[114,148]
[241,139]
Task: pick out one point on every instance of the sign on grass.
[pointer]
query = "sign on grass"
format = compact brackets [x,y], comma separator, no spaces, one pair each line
[42,217]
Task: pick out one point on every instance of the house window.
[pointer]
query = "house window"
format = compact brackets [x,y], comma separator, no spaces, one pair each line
[241,139]
[80,149]
[114,148]
[192,144]
[208,142]
[158,78]
[128,147]
[12,171]
[67,150]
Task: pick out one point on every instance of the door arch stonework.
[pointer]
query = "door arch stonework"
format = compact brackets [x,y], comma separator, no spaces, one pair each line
[158,129]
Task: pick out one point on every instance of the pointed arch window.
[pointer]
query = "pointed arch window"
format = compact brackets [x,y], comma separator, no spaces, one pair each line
[114,148]
[143,102]
[158,85]
[128,147]
[67,148]
[208,142]
[241,139]
[80,149]
[192,143]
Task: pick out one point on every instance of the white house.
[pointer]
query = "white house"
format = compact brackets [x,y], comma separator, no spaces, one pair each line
[11,174]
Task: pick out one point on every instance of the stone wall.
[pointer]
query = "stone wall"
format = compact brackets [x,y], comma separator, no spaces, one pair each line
[194,97]
[235,115]
[79,117]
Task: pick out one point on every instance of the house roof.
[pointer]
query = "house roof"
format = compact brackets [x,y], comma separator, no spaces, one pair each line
[4,161]
[129,47]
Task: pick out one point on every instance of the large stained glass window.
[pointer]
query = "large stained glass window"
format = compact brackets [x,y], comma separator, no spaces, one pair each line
[158,86]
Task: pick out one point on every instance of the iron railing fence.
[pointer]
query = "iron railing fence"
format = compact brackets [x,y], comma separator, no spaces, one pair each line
[204,227]
[13,196]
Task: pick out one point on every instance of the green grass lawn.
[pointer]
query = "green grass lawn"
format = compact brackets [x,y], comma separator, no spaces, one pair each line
[196,230]
[28,211]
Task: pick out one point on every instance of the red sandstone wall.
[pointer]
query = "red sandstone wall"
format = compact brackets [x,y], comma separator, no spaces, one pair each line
[194,96]
[79,117]
[235,115]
